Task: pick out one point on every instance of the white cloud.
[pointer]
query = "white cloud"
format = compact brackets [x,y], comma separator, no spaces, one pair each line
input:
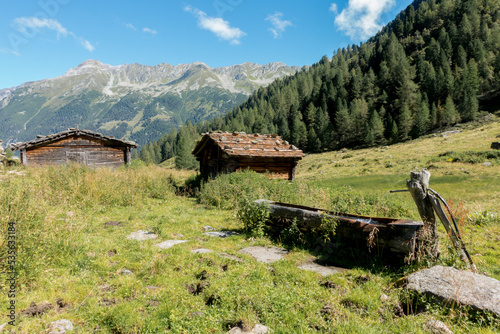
[333,8]
[217,25]
[23,24]
[86,44]
[360,20]
[130,26]
[149,31]
[30,26]
[279,25]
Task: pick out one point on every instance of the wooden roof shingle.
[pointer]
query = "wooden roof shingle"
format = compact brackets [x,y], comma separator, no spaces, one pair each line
[44,140]
[240,144]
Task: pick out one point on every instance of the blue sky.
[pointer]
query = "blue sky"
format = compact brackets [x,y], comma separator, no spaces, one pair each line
[44,38]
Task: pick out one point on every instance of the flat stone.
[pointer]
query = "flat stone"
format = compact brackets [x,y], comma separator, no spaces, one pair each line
[265,254]
[152,287]
[487,164]
[142,235]
[201,251]
[208,228]
[221,234]
[458,286]
[323,270]
[169,243]
[60,326]
[258,329]
[231,257]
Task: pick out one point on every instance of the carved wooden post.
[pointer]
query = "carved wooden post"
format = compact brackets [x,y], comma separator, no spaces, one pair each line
[417,185]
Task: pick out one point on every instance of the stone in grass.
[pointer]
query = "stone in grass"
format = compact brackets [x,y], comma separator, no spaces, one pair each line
[265,254]
[323,270]
[208,228]
[457,286]
[142,235]
[60,326]
[258,329]
[201,251]
[230,257]
[437,327]
[221,234]
[126,272]
[2,327]
[487,164]
[169,243]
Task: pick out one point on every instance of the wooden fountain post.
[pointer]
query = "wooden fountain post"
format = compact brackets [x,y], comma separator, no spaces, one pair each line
[417,185]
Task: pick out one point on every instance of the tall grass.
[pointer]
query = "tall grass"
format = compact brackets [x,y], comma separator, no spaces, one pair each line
[44,202]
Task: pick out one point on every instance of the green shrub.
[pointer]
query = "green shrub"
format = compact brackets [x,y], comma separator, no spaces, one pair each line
[253,216]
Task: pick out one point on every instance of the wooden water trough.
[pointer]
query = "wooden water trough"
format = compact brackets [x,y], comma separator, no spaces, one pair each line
[394,239]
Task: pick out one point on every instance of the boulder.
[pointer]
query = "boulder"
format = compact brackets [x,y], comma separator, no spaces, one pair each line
[452,286]
[495,145]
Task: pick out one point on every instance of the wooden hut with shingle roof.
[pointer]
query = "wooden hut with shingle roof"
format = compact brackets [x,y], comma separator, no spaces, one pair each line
[223,152]
[75,145]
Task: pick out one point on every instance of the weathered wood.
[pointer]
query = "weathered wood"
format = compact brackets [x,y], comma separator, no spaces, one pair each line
[449,230]
[392,238]
[89,151]
[417,185]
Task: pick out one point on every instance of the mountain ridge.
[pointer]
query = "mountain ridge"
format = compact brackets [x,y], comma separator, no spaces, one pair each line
[165,94]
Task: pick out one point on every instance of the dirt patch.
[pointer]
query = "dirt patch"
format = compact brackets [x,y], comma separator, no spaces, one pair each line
[362,279]
[330,285]
[112,252]
[203,275]
[213,300]
[35,309]
[113,223]
[197,288]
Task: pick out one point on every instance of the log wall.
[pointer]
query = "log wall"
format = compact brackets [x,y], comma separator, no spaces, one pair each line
[91,152]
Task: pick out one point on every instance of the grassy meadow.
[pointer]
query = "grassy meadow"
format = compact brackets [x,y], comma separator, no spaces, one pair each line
[66,256]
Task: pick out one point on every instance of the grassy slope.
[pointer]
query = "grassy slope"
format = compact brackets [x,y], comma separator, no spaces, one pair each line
[384,169]
[64,250]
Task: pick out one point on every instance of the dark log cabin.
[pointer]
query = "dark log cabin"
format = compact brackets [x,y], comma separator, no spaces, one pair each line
[75,145]
[223,152]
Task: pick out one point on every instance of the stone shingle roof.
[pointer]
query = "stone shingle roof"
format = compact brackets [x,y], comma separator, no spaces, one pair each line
[240,144]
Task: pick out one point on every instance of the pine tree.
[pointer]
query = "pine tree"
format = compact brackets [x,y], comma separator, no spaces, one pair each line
[422,119]
[184,159]
[450,114]
[405,122]
[469,107]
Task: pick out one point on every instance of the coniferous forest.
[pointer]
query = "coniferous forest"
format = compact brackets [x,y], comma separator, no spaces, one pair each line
[436,64]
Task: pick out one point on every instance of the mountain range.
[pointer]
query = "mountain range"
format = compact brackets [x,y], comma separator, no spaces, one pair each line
[132,101]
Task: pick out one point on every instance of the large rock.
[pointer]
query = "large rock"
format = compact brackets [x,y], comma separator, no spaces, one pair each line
[451,285]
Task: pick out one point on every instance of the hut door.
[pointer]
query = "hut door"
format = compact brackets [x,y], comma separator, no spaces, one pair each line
[75,156]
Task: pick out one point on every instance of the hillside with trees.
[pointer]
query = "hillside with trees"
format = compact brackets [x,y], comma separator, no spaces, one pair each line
[436,64]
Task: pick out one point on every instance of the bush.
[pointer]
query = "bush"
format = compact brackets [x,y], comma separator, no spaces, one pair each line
[253,216]
[231,191]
